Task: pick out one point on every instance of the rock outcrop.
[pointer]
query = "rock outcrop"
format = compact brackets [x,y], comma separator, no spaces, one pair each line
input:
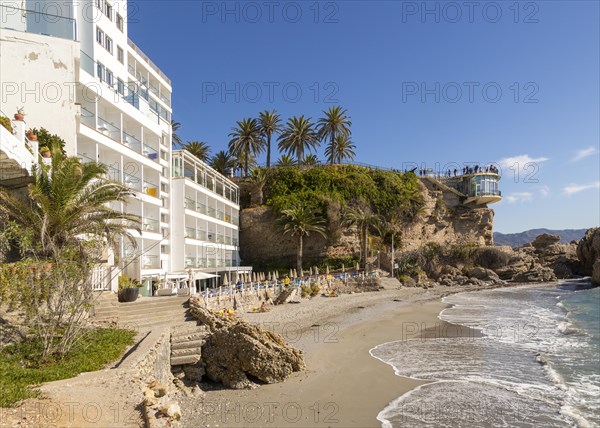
[240,355]
[443,219]
[588,252]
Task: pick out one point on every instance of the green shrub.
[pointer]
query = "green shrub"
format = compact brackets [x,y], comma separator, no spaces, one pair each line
[22,367]
[5,121]
[386,191]
[491,258]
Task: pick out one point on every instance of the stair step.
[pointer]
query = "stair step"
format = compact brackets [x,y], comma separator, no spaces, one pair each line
[185,352]
[186,328]
[191,337]
[185,345]
[189,359]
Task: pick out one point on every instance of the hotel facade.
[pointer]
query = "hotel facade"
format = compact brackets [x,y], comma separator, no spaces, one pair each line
[76,73]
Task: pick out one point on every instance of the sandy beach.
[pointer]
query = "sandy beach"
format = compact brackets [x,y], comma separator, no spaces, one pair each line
[343,384]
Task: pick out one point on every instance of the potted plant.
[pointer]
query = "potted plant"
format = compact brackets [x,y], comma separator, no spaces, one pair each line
[129,289]
[5,121]
[31,135]
[45,152]
[20,114]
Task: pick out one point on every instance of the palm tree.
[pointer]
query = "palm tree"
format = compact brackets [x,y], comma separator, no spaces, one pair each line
[310,160]
[69,200]
[175,126]
[258,179]
[363,218]
[335,123]
[223,162]
[269,123]
[246,140]
[300,221]
[343,149]
[298,136]
[285,160]
[199,149]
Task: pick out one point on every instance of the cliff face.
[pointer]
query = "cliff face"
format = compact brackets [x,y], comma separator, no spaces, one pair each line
[588,252]
[443,219]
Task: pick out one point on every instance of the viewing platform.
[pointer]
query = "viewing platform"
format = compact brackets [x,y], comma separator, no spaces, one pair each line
[478,188]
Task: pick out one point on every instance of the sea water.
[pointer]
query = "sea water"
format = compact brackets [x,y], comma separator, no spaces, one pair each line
[536,364]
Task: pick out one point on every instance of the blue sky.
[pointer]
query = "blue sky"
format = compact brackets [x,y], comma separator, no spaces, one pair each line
[424,82]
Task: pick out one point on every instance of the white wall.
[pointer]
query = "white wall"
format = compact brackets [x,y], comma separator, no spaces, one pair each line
[39,74]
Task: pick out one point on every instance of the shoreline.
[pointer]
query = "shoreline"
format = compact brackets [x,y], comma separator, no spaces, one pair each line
[343,384]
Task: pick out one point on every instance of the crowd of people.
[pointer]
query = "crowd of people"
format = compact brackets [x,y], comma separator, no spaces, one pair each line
[455,173]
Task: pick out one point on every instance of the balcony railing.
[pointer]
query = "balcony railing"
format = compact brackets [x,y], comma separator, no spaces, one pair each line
[85,158]
[29,21]
[132,181]
[150,152]
[88,118]
[150,262]
[111,131]
[151,225]
[190,233]
[132,142]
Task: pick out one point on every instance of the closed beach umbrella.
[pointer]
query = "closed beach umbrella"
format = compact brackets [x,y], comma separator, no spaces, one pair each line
[326,269]
[301,273]
[295,273]
[237,276]
[262,276]
[291,273]
[225,280]
[357,267]
[343,268]
[316,270]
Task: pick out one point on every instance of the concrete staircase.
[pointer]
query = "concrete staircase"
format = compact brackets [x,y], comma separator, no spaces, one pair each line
[144,313]
[186,344]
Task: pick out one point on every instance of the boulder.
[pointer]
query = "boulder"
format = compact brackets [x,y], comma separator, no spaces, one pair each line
[238,354]
[545,240]
[537,273]
[588,252]
[483,274]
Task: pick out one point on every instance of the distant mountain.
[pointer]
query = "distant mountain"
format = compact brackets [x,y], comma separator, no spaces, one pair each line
[518,239]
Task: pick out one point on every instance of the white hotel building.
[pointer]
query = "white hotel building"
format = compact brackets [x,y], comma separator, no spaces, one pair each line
[83,79]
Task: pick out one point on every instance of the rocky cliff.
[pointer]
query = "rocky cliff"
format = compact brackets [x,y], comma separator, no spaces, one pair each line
[442,219]
[588,252]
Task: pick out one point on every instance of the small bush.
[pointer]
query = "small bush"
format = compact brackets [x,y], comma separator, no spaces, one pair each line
[5,121]
[314,289]
[491,258]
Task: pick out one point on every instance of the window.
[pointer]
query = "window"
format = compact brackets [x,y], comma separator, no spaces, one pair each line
[100,4]
[100,36]
[163,155]
[109,77]
[100,69]
[108,11]
[108,44]
[121,87]
[120,55]
[119,20]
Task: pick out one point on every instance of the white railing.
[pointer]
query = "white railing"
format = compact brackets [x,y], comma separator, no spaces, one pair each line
[20,152]
[100,279]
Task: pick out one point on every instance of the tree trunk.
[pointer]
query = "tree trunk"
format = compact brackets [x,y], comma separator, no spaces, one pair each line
[365,246]
[333,154]
[299,255]
[268,150]
[246,164]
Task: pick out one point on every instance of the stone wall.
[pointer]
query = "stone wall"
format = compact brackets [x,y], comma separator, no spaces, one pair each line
[155,362]
[443,220]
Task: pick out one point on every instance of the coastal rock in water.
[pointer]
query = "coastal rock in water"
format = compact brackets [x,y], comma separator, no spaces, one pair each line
[588,252]
[238,354]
